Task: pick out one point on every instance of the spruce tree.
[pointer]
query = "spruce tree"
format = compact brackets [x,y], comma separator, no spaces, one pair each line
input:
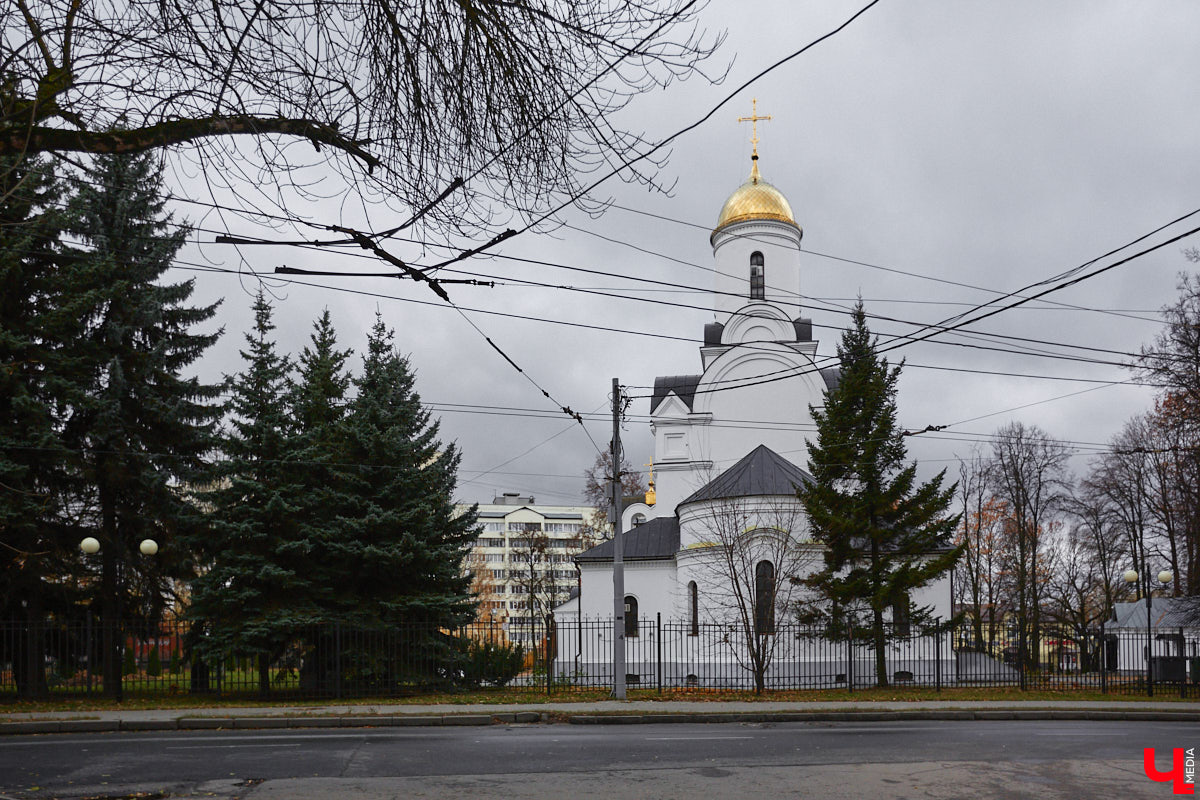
[884,535]
[408,542]
[37,559]
[243,597]
[140,429]
[320,489]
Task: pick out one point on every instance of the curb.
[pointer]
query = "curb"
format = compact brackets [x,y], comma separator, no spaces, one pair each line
[34,727]
[263,723]
[885,716]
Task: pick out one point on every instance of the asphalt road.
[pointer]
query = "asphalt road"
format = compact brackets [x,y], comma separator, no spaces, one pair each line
[997,759]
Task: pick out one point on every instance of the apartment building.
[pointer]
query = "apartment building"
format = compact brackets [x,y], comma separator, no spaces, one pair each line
[523,562]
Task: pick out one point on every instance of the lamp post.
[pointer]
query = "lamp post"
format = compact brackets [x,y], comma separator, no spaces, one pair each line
[1164,577]
[90,546]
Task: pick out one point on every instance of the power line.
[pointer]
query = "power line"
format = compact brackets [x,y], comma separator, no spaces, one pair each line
[286,270]
[396,262]
[1128,313]
[741,382]
[1060,286]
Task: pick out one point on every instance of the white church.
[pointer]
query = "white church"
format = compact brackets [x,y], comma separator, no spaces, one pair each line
[722,527]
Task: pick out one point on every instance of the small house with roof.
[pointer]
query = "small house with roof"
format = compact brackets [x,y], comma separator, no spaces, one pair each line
[1168,630]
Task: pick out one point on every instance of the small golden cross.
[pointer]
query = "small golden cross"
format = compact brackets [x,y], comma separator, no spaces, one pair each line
[754,118]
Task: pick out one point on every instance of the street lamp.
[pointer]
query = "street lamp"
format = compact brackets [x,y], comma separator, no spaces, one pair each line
[90,546]
[1164,577]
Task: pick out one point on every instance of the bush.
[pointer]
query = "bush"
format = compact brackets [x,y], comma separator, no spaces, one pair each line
[176,663]
[492,663]
[129,666]
[154,663]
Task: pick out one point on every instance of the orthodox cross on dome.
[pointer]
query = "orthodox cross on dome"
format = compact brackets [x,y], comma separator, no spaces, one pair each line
[753,120]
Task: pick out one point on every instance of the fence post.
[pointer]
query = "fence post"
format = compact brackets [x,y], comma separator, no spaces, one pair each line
[1183,659]
[1021,651]
[551,645]
[850,657]
[88,651]
[954,653]
[937,656]
[337,659]
[1102,660]
[658,639]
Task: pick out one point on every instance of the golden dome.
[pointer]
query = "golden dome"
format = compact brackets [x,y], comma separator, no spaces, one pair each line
[755,199]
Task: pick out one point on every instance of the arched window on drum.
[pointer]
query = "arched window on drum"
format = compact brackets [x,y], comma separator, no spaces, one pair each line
[758,278]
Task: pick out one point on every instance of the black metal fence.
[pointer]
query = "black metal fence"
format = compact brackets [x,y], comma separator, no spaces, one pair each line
[54,658]
[57,658]
[669,654]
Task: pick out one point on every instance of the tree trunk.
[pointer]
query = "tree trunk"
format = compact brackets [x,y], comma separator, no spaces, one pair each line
[264,674]
[110,638]
[880,637]
[28,662]
[760,662]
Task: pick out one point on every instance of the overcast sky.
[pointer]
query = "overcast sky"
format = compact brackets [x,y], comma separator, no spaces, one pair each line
[962,149]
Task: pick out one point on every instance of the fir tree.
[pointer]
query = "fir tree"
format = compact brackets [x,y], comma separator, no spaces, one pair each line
[243,598]
[884,535]
[139,427]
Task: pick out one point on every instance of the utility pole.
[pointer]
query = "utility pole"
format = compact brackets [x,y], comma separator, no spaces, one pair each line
[618,552]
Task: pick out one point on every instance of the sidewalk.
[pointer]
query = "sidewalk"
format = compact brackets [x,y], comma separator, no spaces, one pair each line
[600,712]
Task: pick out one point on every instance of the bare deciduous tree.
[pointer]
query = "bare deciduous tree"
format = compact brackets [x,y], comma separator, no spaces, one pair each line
[1099,532]
[597,493]
[536,566]
[1029,475]
[746,571]
[518,98]
[1173,360]
[980,571]
[1076,591]
[1173,465]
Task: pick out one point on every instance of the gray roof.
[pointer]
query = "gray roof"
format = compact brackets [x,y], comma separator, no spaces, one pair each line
[1165,612]
[761,472]
[655,540]
[682,385]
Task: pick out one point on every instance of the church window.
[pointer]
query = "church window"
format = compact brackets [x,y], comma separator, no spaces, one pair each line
[764,598]
[639,519]
[758,282]
[631,617]
[693,609]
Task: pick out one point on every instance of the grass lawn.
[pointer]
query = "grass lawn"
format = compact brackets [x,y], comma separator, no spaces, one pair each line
[185,701]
